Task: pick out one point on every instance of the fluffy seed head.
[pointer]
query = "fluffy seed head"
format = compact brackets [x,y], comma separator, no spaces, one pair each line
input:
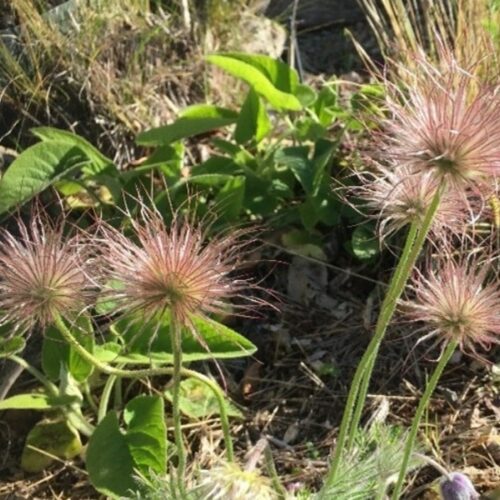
[399,197]
[229,481]
[42,275]
[173,269]
[458,299]
[445,122]
[458,487]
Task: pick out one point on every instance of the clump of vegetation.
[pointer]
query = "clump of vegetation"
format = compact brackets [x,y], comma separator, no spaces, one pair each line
[130,278]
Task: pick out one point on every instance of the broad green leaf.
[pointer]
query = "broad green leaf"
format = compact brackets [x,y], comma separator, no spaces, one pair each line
[146,343]
[209,179]
[216,165]
[229,200]
[280,74]
[260,78]
[146,433]
[108,460]
[56,438]
[98,161]
[326,107]
[34,402]
[113,454]
[11,346]
[296,159]
[364,243]
[56,352]
[197,400]
[253,122]
[306,95]
[37,168]
[195,120]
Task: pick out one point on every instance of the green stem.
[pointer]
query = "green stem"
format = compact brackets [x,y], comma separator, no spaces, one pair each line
[364,370]
[75,417]
[176,413]
[273,474]
[106,393]
[151,372]
[368,360]
[49,386]
[88,397]
[422,405]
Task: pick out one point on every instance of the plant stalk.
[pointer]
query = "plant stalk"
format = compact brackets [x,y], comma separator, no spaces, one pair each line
[151,372]
[422,405]
[176,413]
[357,394]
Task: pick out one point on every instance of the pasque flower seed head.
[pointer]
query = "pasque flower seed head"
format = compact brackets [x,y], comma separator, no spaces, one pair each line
[447,122]
[175,268]
[42,274]
[457,298]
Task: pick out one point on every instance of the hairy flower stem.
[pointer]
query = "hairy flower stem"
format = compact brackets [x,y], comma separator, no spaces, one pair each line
[422,405]
[357,394]
[153,372]
[106,393]
[176,413]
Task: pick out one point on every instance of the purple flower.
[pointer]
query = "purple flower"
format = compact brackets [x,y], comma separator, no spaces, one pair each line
[458,486]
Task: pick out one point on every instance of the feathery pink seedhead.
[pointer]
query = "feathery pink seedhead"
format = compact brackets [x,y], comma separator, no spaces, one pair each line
[445,122]
[457,298]
[42,275]
[400,197]
[172,268]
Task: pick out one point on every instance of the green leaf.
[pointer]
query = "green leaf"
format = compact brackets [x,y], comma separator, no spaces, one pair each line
[98,161]
[365,244]
[198,401]
[280,74]
[229,200]
[271,79]
[216,165]
[147,344]
[296,159]
[113,454]
[9,347]
[253,122]
[146,433]
[108,460]
[34,402]
[37,168]
[54,437]
[195,120]
[326,107]
[306,95]
[56,353]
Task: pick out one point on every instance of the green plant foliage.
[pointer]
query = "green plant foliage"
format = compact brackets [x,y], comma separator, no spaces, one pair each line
[273,80]
[365,471]
[35,401]
[146,343]
[365,244]
[60,156]
[114,454]
[56,438]
[195,120]
[198,401]
[98,161]
[11,346]
[37,168]
[253,122]
[57,354]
